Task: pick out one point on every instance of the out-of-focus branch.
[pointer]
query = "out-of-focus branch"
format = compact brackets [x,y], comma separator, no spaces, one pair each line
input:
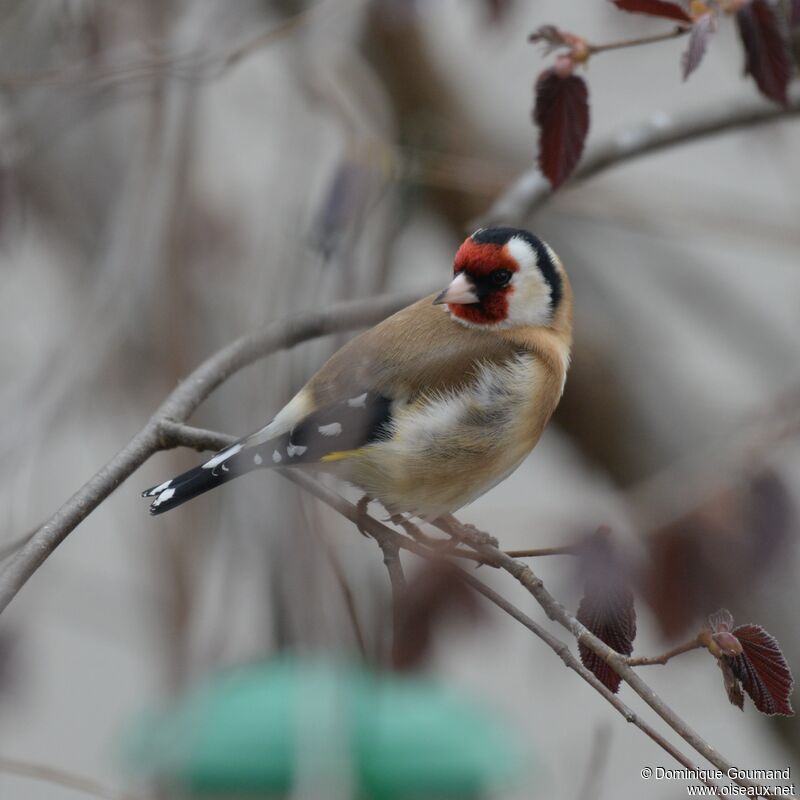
[63,778]
[192,66]
[178,406]
[664,496]
[166,429]
[9,548]
[388,538]
[556,611]
[658,132]
[565,654]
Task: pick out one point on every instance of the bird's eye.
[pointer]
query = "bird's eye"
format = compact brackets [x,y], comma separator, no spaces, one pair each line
[501,277]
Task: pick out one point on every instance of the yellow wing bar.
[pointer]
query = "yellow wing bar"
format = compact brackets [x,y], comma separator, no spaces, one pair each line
[340,455]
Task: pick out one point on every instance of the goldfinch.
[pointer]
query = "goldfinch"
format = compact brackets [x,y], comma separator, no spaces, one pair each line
[435,405]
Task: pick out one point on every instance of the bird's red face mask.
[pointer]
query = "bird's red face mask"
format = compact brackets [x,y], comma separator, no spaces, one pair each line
[481,290]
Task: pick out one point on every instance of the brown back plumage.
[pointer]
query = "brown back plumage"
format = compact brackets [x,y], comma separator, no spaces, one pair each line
[419,349]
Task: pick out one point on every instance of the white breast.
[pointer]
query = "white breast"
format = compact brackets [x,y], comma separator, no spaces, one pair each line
[449,448]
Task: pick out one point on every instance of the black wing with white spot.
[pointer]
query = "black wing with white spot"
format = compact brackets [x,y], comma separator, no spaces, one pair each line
[329,433]
[339,428]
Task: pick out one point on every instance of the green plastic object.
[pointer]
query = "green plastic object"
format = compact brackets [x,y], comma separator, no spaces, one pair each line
[266,730]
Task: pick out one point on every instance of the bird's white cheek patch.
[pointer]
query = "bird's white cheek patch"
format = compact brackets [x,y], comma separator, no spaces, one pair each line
[522,253]
[223,456]
[334,429]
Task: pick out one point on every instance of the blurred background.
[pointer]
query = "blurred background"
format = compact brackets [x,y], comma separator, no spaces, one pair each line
[173,174]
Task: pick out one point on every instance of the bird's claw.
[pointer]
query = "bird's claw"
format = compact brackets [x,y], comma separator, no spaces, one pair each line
[361,515]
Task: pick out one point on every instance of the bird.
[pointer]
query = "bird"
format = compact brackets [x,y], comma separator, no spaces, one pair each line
[437,404]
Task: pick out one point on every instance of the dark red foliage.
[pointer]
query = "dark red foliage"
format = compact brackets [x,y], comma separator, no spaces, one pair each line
[498,9]
[732,686]
[609,615]
[656,8]
[726,543]
[606,608]
[436,592]
[762,670]
[752,660]
[562,114]
[794,14]
[767,57]
[698,42]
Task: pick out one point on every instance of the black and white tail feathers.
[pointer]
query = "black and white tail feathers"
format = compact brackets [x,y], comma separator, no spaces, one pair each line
[341,428]
[226,465]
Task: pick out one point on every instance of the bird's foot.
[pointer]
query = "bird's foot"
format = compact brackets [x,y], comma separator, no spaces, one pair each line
[414,531]
[466,533]
[361,511]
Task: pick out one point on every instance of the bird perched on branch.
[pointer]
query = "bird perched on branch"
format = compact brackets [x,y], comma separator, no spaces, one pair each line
[435,405]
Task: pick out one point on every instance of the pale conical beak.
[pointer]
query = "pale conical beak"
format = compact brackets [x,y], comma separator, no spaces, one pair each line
[461,291]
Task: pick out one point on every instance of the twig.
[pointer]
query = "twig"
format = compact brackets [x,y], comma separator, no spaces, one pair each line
[385,536]
[659,132]
[659,37]
[644,661]
[63,778]
[598,761]
[178,406]
[9,548]
[397,580]
[730,460]
[347,596]
[185,65]
[565,654]
[566,550]
[615,660]
[166,429]
[391,558]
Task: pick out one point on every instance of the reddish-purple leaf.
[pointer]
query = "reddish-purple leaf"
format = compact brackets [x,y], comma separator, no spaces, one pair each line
[698,42]
[767,58]
[562,114]
[722,545]
[763,670]
[608,612]
[656,8]
[794,14]
[436,593]
[497,9]
[732,685]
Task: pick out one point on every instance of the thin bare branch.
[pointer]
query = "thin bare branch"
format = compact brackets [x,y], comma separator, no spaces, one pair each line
[178,406]
[391,558]
[556,611]
[385,536]
[9,548]
[644,661]
[347,596]
[63,778]
[538,552]
[659,37]
[193,65]
[659,132]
